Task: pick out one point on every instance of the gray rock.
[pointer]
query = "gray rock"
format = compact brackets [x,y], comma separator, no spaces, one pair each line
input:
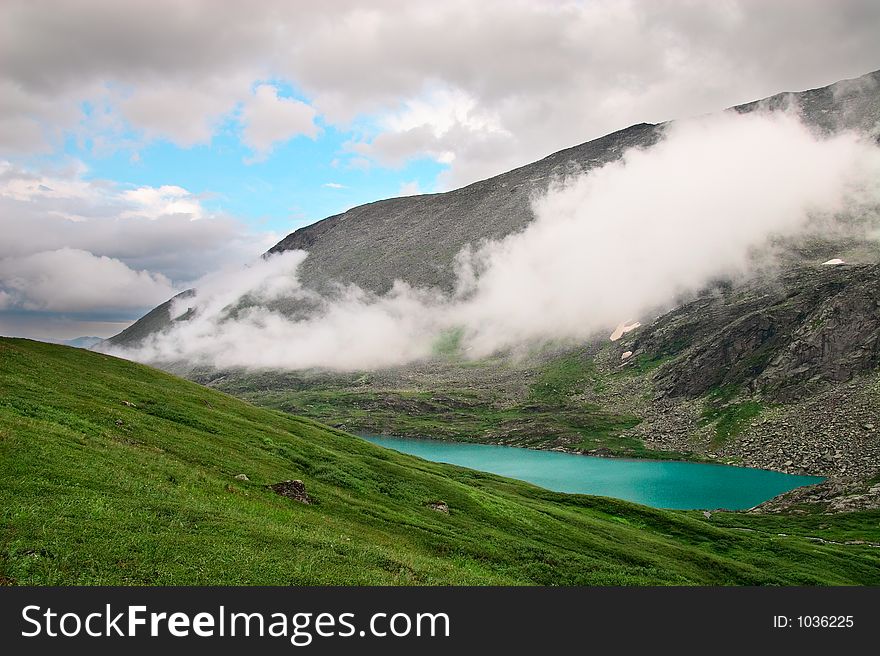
[295,490]
[439,506]
[786,337]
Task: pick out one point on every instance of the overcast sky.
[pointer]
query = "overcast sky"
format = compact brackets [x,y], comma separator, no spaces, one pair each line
[143,144]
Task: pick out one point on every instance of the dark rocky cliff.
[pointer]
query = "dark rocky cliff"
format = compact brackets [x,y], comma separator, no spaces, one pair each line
[809,326]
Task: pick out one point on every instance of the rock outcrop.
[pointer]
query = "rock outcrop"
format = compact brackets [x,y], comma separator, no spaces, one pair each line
[295,490]
[784,338]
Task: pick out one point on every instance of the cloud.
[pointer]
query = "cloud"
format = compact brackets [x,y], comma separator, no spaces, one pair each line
[184,113]
[635,235]
[269,119]
[68,279]
[394,149]
[431,126]
[34,121]
[359,164]
[334,185]
[545,76]
[149,228]
[354,329]
[168,69]
[167,200]
[481,86]
[440,111]
[707,202]
[410,188]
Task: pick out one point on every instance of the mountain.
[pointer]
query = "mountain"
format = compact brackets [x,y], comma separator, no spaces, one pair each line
[779,371]
[83,342]
[118,474]
[416,238]
[153,321]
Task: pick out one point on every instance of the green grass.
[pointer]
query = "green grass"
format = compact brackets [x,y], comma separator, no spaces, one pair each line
[115,473]
[454,416]
[732,419]
[561,378]
[551,415]
[643,364]
[729,418]
[448,344]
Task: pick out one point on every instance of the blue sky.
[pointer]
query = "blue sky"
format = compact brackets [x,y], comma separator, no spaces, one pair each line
[301,181]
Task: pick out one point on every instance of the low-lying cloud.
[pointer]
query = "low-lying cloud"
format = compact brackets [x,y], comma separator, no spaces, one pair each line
[607,246]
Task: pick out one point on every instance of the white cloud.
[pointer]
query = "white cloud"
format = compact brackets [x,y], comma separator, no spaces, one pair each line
[481,87]
[32,120]
[410,188]
[184,113]
[148,228]
[634,235]
[167,200]
[359,164]
[21,134]
[71,280]
[545,76]
[270,119]
[356,329]
[430,126]
[440,111]
[334,185]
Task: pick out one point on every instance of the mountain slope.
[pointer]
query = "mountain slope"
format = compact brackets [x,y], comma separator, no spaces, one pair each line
[115,473]
[416,238]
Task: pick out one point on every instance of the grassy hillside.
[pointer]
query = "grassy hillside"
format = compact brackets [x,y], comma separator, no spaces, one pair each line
[115,473]
[537,403]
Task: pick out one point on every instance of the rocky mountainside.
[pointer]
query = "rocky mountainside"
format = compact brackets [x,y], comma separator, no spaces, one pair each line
[783,338]
[779,373]
[416,238]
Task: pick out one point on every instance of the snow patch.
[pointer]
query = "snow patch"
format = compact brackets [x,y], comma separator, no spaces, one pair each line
[623,329]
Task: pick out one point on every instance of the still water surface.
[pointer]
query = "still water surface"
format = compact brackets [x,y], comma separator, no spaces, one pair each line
[662,484]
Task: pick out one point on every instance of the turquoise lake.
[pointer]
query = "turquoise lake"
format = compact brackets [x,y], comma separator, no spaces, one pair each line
[661,484]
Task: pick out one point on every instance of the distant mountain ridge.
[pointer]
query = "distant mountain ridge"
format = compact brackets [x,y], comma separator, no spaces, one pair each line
[83,342]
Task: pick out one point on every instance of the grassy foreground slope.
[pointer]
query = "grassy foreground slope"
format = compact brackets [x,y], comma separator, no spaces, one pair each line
[115,473]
